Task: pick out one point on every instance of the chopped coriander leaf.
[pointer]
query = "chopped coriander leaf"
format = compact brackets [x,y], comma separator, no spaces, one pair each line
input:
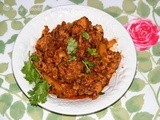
[72,46]
[34,58]
[39,93]
[32,75]
[72,58]
[88,65]
[101,93]
[85,35]
[92,51]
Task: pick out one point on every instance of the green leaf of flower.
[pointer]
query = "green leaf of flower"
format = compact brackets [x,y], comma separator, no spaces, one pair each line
[2,46]
[144,61]
[10,2]
[14,88]
[145,66]
[16,25]
[22,11]
[86,118]
[11,13]
[1,81]
[152,2]
[143,56]
[156,49]
[142,116]
[38,1]
[65,117]
[95,3]
[53,116]
[137,85]
[36,113]
[76,1]
[117,104]
[10,54]
[10,78]
[154,75]
[12,39]
[26,20]
[129,6]
[36,9]
[101,114]
[120,113]
[5,102]
[114,11]
[3,26]
[47,7]
[158,62]
[1,7]
[123,19]
[3,67]
[135,103]
[143,9]
[157,10]
[17,110]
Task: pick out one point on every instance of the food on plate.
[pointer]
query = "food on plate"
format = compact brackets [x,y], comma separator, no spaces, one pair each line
[72,61]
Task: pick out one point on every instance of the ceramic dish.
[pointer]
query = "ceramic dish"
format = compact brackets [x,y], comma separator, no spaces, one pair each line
[120,81]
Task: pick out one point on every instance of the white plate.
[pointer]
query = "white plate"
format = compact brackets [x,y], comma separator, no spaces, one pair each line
[120,81]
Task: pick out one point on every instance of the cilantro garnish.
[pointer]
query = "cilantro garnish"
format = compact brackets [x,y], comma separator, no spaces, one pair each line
[92,51]
[88,65]
[101,93]
[34,58]
[85,35]
[72,58]
[72,46]
[40,91]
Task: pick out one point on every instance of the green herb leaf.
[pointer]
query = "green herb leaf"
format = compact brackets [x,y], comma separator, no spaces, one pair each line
[72,46]
[85,35]
[72,58]
[88,65]
[92,51]
[39,93]
[101,93]
[34,58]
[30,72]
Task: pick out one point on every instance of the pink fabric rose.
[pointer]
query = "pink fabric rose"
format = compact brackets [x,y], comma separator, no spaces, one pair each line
[143,32]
